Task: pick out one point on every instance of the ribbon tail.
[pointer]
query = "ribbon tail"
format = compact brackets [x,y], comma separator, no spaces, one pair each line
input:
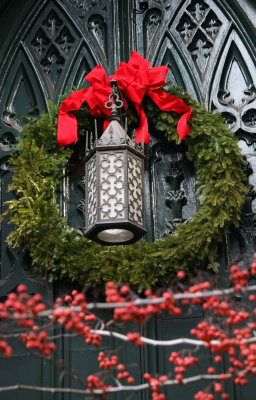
[67,123]
[67,129]
[168,102]
[182,126]
[143,125]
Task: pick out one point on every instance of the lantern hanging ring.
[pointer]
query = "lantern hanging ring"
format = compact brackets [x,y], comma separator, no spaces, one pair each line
[114,102]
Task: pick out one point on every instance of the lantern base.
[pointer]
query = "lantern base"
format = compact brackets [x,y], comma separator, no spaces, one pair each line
[113,234]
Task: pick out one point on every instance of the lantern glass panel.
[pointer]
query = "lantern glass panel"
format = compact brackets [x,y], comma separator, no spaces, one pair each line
[111,185]
[135,188]
[92,191]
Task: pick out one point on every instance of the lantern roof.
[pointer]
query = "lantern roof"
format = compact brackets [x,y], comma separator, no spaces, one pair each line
[115,135]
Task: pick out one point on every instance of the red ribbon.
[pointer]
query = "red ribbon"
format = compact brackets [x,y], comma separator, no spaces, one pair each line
[136,80]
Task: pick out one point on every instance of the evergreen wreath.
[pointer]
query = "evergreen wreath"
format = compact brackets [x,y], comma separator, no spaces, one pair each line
[38,163]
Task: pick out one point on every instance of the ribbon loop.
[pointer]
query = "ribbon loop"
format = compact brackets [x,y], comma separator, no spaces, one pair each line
[135,79]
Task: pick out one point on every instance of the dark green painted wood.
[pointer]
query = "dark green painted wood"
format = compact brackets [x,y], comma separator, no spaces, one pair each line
[50,45]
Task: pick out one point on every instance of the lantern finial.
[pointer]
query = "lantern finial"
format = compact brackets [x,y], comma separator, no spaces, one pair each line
[114,103]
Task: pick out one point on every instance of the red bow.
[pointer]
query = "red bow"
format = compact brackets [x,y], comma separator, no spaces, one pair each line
[136,80]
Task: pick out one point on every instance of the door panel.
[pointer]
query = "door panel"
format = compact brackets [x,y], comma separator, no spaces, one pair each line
[49,46]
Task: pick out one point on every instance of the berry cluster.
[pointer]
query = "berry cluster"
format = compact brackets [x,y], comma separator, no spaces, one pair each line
[112,294]
[131,312]
[238,277]
[5,349]
[38,342]
[22,307]
[94,383]
[134,338]
[208,396]
[203,396]
[155,385]
[236,318]
[198,288]
[181,364]
[75,317]
[106,362]
[253,266]
[109,363]
[123,374]
[249,354]
[207,332]
[213,304]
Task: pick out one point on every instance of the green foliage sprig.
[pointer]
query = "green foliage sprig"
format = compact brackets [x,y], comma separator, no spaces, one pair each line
[38,166]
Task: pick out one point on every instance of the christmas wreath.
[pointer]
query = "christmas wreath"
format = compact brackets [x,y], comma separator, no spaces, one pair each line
[63,252]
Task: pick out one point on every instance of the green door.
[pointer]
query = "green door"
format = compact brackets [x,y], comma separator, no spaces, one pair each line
[47,47]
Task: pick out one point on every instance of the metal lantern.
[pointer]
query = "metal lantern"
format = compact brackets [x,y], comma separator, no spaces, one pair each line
[114,182]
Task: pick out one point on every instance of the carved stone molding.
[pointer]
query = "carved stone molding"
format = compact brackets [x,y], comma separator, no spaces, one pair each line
[171,179]
[85,5]
[175,199]
[233,89]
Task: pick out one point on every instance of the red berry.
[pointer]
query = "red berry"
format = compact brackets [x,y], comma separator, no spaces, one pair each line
[130,379]
[67,298]
[120,367]
[218,387]
[179,378]
[238,287]
[22,289]
[181,275]
[124,290]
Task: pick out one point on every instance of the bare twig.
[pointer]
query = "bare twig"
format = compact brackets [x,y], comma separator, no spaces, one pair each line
[119,388]
[142,302]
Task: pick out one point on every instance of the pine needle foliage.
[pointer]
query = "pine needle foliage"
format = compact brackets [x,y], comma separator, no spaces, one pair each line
[38,164]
